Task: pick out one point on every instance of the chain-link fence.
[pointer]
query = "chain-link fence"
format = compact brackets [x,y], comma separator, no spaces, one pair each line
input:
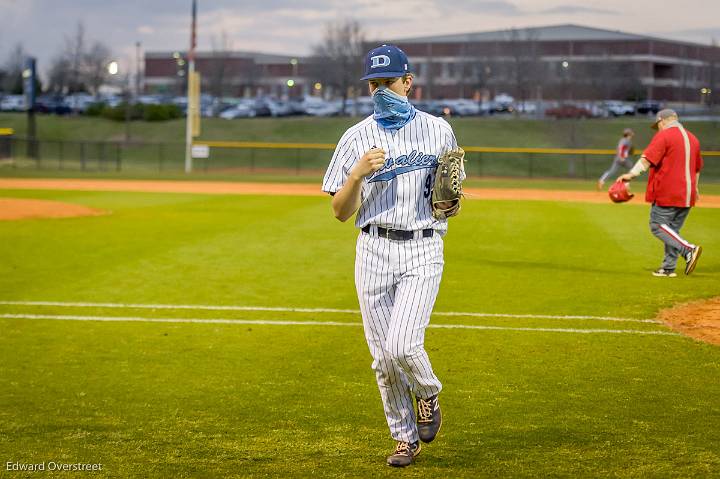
[242,158]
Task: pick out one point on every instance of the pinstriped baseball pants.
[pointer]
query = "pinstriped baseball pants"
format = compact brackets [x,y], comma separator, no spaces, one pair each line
[397,283]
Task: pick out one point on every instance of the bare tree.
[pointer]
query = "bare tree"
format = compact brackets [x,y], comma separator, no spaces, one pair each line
[482,69]
[76,68]
[13,70]
[95,66]
[59,74]
[472,69]
[218,64]
[250,75]
[524,67]
[338,58]
[75,55]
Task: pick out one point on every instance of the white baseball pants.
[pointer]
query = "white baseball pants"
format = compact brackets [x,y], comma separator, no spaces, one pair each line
[397,283]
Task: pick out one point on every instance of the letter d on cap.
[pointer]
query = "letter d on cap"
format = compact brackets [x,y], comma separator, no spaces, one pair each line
[380,61]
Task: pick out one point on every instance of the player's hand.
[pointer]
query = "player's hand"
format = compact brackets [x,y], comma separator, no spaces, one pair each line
[627,177]
[370,162]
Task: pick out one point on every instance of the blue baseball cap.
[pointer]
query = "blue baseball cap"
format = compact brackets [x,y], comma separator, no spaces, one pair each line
[386,61]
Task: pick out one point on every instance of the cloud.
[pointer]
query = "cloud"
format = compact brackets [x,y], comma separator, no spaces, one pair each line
[575,9]
[483,7]
[292,27]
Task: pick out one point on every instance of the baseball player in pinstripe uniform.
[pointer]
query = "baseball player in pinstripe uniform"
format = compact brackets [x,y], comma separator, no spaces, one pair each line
[674,160]
[622,157]
[383,168]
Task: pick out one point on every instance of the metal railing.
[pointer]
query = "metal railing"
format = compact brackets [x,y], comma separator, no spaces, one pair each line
[91,156]
[242,157]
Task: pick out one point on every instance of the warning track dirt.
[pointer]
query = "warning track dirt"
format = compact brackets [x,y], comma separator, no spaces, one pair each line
[301,189]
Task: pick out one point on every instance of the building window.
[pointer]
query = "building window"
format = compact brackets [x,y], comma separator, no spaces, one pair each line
[421,69]
[444,70]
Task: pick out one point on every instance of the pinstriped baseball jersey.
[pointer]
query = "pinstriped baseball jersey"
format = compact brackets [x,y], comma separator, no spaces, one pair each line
[398,195]
[397,281]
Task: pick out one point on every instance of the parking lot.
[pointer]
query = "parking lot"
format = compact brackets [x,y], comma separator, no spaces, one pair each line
[230,108]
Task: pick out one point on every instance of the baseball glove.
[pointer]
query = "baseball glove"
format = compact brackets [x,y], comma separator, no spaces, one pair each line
[447,189]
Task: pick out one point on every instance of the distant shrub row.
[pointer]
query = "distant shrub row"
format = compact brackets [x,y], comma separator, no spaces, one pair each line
[138,111]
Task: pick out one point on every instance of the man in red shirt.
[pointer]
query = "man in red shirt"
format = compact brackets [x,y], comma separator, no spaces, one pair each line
[673,157]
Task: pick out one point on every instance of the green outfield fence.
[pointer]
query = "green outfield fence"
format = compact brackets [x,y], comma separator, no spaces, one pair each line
[242,158]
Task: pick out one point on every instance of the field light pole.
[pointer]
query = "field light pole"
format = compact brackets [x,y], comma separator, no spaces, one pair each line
[191,72]
[29,79]
[114,70]
[566,77]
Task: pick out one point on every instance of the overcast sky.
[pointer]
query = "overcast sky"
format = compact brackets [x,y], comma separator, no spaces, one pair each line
[293,26]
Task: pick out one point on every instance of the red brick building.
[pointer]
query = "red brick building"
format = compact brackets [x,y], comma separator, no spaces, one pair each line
[228,73]
[564,62]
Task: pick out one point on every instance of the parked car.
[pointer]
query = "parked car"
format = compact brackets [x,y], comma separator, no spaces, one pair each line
[434,107]
[568,111]
[180,101]
[617,108]
[486,107]
[52,104]
[461,107]
[302,105]
[361,106]
[316,106]
[648,107]
[279,107]
[79,102]
[503,103]
[216,106]
[240,110]
[12,103]
[111,100]
[527,107]
[154,100]
[260,106]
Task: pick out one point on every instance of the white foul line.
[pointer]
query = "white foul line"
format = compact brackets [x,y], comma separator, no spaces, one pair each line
[317,323]
[201,307]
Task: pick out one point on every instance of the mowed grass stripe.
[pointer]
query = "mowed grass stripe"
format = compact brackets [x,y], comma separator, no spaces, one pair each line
[315,323]
[200,307]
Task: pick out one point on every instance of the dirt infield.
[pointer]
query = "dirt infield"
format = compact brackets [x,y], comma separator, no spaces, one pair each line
[152,186]
[18,209]
[699,319]
[300,189]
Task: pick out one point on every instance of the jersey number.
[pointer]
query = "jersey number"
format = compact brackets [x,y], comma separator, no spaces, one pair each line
[428,186]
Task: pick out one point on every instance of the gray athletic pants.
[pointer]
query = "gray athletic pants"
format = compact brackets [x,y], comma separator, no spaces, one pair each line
[616,164]
[665,223]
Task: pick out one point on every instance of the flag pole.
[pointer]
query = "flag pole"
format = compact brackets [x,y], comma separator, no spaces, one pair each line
[191,72]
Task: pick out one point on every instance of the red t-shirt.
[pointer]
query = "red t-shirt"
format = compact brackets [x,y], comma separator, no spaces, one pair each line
[674,156]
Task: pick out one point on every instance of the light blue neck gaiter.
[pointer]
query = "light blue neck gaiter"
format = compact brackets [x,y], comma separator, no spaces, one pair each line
[392,111]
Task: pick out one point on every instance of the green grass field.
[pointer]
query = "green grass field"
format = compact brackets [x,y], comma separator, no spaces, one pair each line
[501,130]
[535,397]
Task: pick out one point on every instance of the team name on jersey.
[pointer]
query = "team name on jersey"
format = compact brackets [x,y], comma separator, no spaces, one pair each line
[403,164]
